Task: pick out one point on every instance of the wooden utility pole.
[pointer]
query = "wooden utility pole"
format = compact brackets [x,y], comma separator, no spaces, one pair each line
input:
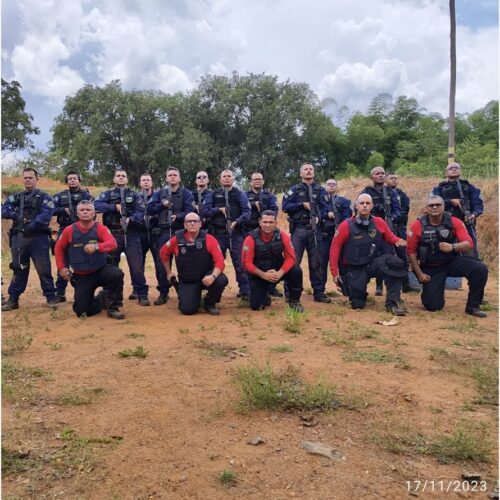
[453,82]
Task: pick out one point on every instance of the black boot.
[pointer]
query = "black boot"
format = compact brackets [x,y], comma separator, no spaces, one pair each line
[11,304]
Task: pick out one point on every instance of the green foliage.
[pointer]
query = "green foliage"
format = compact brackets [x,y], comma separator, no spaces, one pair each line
[470,441]
[228,478]
[16,122]
[138,352]
[292,320]
[263,388]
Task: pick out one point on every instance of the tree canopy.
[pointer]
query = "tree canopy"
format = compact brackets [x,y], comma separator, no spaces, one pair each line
[16,122]
[257,123]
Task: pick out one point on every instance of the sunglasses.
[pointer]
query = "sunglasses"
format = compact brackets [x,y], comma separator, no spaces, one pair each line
[331,183]
[202,177]
[435,205]
[192,221]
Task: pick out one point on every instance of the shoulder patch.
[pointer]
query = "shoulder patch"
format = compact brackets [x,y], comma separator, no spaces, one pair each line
[12,198]
[410,233]
[50,203]
[246,248]
[103,195]
[168,244]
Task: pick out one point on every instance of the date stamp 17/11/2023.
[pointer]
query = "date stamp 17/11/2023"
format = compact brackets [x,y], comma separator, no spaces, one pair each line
[446,486]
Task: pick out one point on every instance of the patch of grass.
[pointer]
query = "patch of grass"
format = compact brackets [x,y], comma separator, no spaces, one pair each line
[488,307]
[183,330]
[83,397]
[400,439]
[372,356]
[17,380]
[281,348]
[484,372]
[470,441]
[217,349]
[15,343]
[292,320]
[333,336]
[134,335]
[138,352]
[243,321]
[228,478]
[264,388]
[465,326]
[15,462]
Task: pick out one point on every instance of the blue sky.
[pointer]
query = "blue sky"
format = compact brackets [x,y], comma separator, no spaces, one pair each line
[349,50]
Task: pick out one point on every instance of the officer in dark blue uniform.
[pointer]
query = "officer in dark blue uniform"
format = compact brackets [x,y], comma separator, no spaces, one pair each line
[65,204]
[306,208]
[260,199]
[385,205]
[462,199]
[227,209]
[30,212]
[123,213]
[338,210]
[149,232]
[400,223]
[170,204]
[200,193]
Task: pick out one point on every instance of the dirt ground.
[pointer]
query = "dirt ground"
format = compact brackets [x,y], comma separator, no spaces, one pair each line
[80,421]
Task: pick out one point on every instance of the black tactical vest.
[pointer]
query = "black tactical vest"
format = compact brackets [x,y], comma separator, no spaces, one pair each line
[177,201]
[194,260]
[218,220]
[32,205]
[112,219]
[364,244]
[268,255]
[428,251]
[329,225]
[69,199]
[302,217]
[450,191]
[78,259]
[264,199]
[382,206]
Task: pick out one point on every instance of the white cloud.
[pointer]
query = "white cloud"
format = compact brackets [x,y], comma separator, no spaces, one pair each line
[346,49]
[37,64]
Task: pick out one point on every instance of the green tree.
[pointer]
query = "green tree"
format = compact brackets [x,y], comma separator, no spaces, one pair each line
[16,122]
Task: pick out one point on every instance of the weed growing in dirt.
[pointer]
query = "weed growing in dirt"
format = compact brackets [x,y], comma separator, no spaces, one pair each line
[55,346]
[292,321]
[470,441]
[138,352]
[263,388]
[281,348]
[15,343]
[217,349]
[374,356]
[134,335]
[488,307]
[228,478]
[183,330]
[243,321]
[82,397]
[466,326]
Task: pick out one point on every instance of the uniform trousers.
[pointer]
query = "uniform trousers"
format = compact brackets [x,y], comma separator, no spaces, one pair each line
[465,266]
[109,277]
[259,288]
[36,248]
[357,278]
[189,294]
